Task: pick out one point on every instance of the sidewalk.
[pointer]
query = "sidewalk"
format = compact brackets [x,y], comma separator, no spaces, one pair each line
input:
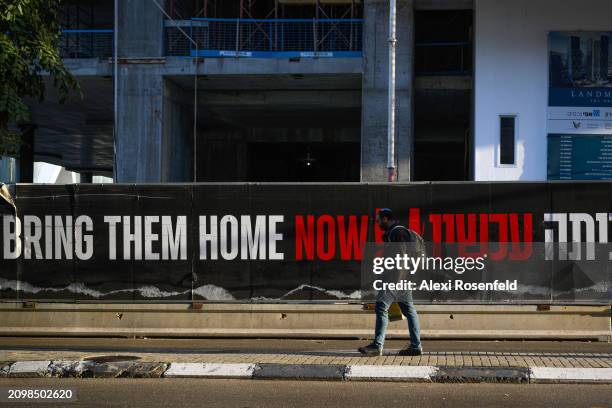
[435,366]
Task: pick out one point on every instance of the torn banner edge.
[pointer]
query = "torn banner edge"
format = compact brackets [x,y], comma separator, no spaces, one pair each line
[5,195]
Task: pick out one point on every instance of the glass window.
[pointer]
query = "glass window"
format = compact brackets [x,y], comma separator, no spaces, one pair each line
[507,135]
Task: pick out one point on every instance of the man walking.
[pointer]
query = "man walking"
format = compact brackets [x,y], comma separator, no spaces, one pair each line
[394,232]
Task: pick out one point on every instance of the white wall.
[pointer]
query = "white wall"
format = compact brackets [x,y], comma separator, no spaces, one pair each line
[511,75]
[47,173]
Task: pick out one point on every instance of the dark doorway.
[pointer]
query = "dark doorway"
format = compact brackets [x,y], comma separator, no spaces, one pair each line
[443,95]
[279,128]
[303,162]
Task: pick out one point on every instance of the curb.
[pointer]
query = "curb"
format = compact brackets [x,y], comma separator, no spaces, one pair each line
[390,373]
[482,374]
[322,372]
[209,370]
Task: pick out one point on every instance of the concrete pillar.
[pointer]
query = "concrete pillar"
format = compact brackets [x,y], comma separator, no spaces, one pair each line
[154,135]
[374,90]
[139,124]
[140,29]
[139,138]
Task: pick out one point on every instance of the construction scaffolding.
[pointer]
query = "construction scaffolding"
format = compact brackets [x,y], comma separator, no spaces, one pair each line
[77,15]
[86,14]
[86,29]
[265,28]
[264,9]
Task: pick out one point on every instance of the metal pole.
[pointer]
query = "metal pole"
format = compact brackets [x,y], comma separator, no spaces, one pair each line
[391,107]
[195,116]
[115,86]
[352,23]
[316,28]
[237,36]
[238,33]
[275,25]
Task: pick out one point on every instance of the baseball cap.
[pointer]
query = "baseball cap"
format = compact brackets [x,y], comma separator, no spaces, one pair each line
[385,212]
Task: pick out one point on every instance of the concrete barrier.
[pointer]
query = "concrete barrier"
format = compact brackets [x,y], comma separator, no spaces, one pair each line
[299,321]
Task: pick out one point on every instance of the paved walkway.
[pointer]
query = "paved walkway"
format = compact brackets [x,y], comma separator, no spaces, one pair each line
[520,362]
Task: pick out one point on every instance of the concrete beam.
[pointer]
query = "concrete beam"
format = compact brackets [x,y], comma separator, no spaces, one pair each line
[262,66]
[89,66]
[303,99]
[220,66]
[178,66]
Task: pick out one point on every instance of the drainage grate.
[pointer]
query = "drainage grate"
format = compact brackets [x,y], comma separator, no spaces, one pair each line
[110,359]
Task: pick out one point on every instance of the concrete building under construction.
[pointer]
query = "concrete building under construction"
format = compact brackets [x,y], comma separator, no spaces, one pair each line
[266,90]
[296,90]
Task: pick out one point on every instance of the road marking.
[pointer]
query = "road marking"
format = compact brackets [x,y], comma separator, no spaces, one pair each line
[571,374]
[390,371]
[209,370]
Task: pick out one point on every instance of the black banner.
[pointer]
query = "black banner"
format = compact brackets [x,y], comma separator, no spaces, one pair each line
[290,242]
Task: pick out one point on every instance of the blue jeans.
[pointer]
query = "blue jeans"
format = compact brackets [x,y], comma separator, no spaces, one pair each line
[384,299]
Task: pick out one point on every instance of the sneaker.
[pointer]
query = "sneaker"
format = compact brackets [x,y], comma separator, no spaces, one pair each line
[411,351]
[371,350]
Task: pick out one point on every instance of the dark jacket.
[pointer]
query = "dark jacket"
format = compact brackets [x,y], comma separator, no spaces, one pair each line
[397,233]
[412,246]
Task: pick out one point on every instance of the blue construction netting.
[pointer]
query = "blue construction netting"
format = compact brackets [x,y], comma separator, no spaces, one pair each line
[273,38]
[94,43]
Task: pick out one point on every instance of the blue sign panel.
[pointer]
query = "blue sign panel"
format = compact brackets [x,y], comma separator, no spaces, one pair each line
[579,157]
[580,69]
[583,97]
[579,106]
[276,54]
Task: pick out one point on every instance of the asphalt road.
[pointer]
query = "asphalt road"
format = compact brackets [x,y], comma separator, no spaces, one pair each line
[94,344]
[181,393]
